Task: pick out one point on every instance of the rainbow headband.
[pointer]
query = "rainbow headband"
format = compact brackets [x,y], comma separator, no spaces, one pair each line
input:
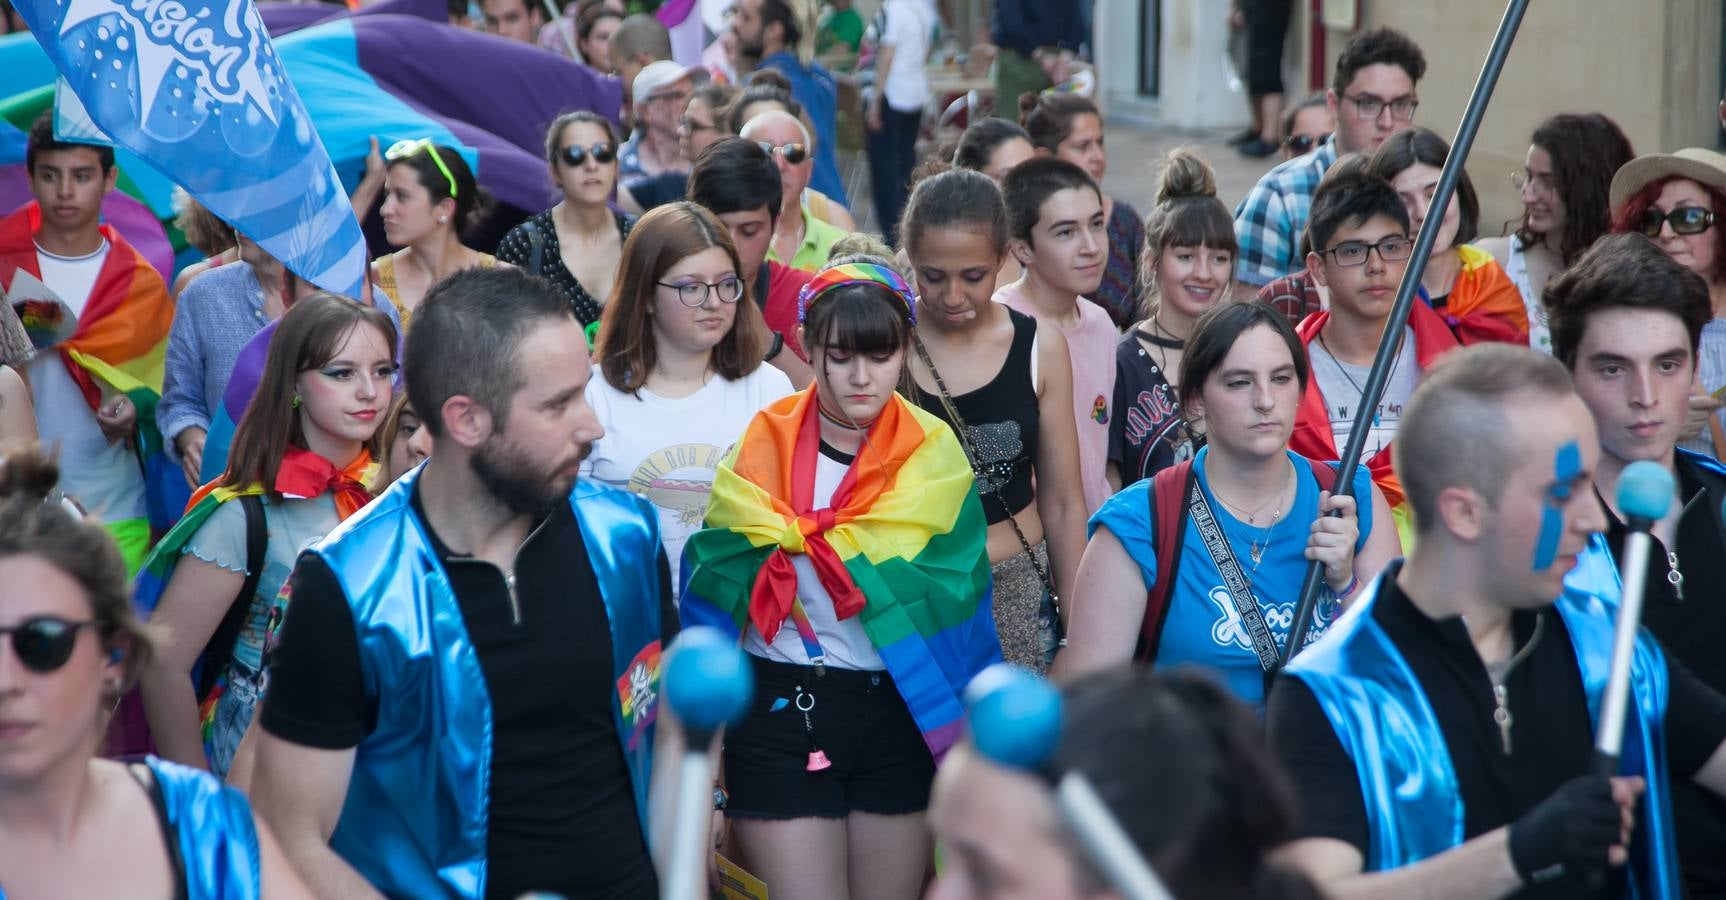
[856,273]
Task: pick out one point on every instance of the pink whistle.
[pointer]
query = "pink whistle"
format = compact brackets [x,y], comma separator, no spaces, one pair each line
[818,761]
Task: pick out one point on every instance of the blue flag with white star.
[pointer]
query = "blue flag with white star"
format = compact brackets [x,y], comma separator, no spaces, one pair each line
[195,88]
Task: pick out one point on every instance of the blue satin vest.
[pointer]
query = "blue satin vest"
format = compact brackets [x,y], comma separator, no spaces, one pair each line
[1382,716]
[414,821]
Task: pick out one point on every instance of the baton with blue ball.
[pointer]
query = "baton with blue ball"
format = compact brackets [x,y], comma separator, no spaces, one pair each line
[708,684]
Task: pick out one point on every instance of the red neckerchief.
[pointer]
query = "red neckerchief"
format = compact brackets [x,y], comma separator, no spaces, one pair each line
[304,474]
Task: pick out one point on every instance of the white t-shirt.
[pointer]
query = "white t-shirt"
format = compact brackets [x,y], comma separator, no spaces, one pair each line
[906,26]
[844,642]
[1341,384]
[667,450]
[104,477]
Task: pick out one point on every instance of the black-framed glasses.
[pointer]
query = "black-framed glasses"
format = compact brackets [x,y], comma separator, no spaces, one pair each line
[575,154]
[1354,253]
[1684,220]
[694,293]
[44,643]
[1301,144]
[792,153]
[1367,106]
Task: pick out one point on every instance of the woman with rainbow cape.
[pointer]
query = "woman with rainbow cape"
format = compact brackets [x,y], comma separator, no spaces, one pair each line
[303,451]
[851,513]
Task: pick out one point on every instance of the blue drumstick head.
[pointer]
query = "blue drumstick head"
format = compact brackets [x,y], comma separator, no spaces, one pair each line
[708,681]
[1645,490]
[1015,716]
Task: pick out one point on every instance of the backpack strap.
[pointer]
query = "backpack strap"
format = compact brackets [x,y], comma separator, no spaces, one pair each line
[221,646]
[1167,500]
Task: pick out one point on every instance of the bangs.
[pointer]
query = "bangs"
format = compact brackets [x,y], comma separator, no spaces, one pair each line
[858,318]
[1201,225]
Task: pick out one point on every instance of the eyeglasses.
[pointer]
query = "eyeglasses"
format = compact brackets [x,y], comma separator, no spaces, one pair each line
[694,293]
[406,149]
[1368,107]
[692,126]
[1354,253]
[792,153]
[1542,181]
[575,154]
[44,643]
[1684,220]
[1301,144]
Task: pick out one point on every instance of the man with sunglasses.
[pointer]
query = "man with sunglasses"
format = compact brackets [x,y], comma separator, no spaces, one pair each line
[800,239]
[1372,97]
[661,92]
[1360,247]
[1627,321]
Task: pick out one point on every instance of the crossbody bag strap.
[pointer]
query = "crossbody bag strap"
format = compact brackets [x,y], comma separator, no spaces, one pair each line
[1246,605]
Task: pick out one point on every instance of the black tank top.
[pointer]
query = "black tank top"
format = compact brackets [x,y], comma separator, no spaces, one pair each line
[1001,418]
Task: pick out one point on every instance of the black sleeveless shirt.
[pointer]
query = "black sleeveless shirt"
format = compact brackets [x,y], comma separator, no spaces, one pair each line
[1001,420]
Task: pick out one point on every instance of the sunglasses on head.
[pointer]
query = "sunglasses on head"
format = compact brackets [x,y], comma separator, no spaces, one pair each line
[793,153]
[575,154]
[1300,144]
[1684,220]
[44,643]
[406,149]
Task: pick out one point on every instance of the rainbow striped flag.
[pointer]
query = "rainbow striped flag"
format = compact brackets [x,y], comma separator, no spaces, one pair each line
[903,547]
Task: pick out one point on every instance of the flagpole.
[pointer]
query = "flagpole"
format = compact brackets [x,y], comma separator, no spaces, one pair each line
[1376,378]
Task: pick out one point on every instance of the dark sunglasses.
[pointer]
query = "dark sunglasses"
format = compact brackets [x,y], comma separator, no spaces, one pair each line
[1300,144]
[44,643]
[1684,220]
[575,154]
[793,153]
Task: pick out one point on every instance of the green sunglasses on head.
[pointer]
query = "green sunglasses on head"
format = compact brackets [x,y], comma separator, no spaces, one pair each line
[406,149]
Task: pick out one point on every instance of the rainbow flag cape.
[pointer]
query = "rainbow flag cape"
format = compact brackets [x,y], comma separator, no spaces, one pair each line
[120,339]
[1485,304]
[903,547]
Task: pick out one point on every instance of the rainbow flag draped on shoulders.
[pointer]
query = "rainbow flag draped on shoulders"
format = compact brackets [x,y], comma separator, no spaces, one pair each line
[902,547]
[120,339]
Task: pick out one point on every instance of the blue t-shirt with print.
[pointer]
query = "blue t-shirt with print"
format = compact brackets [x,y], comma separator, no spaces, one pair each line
[1202,627]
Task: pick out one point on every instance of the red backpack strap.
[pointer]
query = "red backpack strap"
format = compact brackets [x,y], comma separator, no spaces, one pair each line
[1327,475]
[1167,499]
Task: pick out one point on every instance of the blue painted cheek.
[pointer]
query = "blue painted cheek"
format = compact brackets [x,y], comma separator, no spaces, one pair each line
[1546,545]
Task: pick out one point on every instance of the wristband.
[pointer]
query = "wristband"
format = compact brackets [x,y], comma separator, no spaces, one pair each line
[1353,585]
[774,348]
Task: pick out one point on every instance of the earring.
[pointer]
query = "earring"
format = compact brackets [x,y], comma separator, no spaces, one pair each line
[295,403]
[115,655]
[442,219]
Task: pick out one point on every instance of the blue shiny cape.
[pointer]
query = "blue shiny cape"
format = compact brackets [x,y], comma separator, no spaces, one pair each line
[1387,726]
[414,821]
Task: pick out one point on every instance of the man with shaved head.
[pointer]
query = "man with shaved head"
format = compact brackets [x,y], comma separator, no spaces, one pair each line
[801,240]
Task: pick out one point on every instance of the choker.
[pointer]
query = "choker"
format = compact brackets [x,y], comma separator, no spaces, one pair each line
[836,422]
[1167,343]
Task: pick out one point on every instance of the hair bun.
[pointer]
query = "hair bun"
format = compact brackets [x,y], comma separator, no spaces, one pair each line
[1185,174]
[28,471]
[1028,102]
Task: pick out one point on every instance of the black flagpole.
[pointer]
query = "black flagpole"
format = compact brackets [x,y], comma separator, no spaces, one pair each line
[1373,390]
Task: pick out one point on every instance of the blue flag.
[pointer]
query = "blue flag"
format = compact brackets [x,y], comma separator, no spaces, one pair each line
[195,88]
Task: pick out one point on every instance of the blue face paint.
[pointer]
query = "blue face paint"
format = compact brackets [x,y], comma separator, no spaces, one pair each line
[1566,465]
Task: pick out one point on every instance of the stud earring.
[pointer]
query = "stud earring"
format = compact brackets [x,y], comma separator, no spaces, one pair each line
[295,402]
[442,219]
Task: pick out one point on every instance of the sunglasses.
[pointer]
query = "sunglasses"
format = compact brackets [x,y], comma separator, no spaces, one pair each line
[575,154]
[408,148]
[44,643]
[792,153]
[1301,144]
[1684,220]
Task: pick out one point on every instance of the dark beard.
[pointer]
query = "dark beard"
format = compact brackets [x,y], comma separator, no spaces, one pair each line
[515,482]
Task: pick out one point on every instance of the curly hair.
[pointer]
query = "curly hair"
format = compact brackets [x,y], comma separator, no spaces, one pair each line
[1587,150]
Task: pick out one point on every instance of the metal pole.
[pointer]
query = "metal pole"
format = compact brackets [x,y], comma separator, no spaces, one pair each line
[1373,391]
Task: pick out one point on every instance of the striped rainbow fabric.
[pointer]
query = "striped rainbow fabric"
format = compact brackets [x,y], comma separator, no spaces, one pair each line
[903,547]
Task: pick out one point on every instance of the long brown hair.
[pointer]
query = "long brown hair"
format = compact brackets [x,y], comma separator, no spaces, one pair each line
[310,334]
[665,236]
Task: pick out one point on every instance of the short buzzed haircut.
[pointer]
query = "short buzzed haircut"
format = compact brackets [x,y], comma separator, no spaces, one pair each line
[466,339]
[1623,271]
[640,33]
[1456,430]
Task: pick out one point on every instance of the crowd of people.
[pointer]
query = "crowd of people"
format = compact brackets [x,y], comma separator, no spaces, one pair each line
[312,595]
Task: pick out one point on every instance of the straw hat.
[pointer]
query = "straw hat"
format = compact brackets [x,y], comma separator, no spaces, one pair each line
[1701,166]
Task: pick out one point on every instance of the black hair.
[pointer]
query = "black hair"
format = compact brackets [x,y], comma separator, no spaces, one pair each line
[1034,181]
[1418,145]
[1048,118]
[1623,271]
[1215,333]
[472,202]
[979,141]
[1203,799]
[760,90]
[1350,195]
[734,175]
[1586,151]
[780,11]
[857,318]
[554,134]
[1380,46]
[467,336]
[956,198]
[42,140]
[1187,214]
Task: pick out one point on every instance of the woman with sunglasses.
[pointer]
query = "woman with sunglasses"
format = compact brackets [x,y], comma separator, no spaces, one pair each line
[430,200]
[73,825]
[845,545]
[577,244]
[680,372]
[1305,125]
[300,461]
[1462,283]
[1679,201]
[1152,584]
[1564,182]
